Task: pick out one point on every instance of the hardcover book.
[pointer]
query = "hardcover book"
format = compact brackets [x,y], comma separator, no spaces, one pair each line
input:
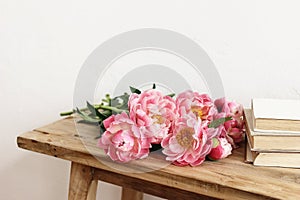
[270,141]
[272,159]
[276,115]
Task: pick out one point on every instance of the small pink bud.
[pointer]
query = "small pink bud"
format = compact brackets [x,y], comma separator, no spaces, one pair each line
[221,149]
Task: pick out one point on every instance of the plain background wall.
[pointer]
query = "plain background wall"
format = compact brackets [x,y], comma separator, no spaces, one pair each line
[255,46]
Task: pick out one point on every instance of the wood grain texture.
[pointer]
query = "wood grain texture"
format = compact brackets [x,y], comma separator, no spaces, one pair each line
[92,193]
[82,186]
[130,194]
[229,178]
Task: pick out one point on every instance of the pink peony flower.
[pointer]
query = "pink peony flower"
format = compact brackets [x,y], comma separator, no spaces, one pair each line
[233,130]
[231,108]
[221,149]
[200,105]
[123,141]
[189,143]
[153,113]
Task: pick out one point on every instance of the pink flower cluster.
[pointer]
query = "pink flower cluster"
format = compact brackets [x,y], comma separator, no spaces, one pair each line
[181,126]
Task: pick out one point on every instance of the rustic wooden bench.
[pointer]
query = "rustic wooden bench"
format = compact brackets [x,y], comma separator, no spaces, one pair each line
[229,178]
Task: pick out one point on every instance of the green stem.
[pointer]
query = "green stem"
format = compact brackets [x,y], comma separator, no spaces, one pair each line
[66,113]
[62,114]
[117,110]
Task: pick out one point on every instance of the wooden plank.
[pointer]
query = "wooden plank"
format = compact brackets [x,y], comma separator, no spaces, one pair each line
[219,179]
[92,193]
[130,194]
[161,190]
[198,187]
[82,186]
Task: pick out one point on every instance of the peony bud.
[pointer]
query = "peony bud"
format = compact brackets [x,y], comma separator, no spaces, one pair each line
[221,149]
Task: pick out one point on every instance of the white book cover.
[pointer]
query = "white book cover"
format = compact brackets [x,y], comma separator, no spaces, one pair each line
[253,131]
[276,109]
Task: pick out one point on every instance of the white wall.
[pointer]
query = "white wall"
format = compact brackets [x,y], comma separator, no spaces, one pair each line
[254,44]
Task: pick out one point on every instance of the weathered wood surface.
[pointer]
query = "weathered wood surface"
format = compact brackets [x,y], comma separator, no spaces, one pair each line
[230,178]
[131,194]
[81,184]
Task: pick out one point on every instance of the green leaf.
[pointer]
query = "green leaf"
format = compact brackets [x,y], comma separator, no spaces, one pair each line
[85,117]
[218,122]
[135,90]
[102,130]
[171,95]
[95,111]
[153,86]
[120,102]
[215,142]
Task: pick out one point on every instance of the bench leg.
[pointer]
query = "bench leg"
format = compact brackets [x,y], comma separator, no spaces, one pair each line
[130,194]
[81,185]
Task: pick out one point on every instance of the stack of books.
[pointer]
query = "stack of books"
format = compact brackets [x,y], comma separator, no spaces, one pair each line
[273,133]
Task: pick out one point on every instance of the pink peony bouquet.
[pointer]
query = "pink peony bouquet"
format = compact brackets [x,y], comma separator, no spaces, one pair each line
[190,128]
